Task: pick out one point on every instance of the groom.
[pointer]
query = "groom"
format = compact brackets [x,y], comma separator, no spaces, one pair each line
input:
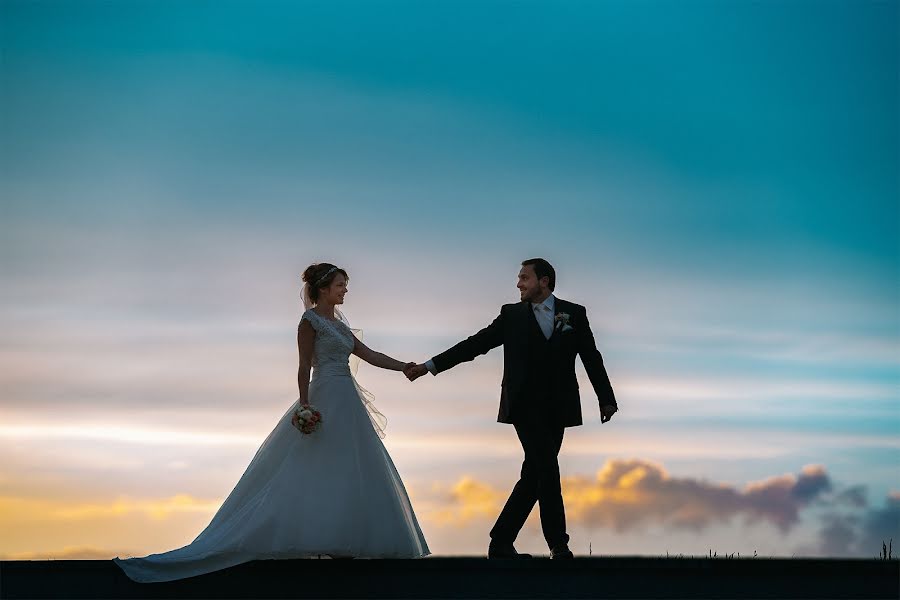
[539,396]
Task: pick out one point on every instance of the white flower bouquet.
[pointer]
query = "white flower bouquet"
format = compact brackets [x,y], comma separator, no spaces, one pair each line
[307,418]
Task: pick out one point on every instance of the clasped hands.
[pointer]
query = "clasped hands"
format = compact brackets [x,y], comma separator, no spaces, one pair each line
[414,371]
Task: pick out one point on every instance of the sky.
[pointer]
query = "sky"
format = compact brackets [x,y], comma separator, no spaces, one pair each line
[716,182]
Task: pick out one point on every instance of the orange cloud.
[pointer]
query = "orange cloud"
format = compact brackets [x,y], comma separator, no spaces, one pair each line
[24,509]
[468,500]
[630,494]
[69,553]
[40,527]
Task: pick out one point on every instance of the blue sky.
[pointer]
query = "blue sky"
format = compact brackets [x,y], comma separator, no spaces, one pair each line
[716,181]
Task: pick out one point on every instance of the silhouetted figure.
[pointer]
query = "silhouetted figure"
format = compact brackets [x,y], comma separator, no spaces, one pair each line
[541,336]
[333,492]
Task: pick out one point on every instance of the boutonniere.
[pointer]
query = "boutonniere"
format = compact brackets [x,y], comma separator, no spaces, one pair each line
[561,321]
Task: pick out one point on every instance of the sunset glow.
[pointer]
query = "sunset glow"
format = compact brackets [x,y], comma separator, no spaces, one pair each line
[716,182]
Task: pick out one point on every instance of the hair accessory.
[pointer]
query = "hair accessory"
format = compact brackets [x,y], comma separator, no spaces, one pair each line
[325,276]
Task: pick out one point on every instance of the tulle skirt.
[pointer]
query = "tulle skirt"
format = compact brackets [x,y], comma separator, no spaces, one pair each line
[334,492]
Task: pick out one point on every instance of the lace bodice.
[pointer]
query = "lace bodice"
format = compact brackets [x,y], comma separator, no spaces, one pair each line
[334,343]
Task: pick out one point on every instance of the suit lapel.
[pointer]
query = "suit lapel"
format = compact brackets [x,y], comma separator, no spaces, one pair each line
[560,307]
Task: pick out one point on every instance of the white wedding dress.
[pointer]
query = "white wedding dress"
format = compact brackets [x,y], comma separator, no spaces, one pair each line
[334,492]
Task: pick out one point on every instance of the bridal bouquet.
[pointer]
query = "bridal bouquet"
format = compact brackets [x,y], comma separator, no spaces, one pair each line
[307,418]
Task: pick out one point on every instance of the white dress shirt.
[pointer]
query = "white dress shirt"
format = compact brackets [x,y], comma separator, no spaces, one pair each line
[543,312]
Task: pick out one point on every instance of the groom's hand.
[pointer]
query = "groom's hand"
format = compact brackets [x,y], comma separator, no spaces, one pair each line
[606,412]
[415,371]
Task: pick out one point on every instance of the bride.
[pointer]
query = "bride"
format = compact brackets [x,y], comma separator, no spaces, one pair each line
[333,492]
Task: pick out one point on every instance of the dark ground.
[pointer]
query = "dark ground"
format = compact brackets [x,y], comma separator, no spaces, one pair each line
[606,577]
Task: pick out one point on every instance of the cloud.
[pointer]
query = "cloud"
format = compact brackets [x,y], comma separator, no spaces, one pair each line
[638,495]
[859,532]
[853,496]
[634,494]
[838,534]
[129,434]
[25,509]
[882,523]
[879,525]
[811,483]
[99,528]
[628,494]
[69,553]
[156,509]
[628,497]
[467,500]
[780,498]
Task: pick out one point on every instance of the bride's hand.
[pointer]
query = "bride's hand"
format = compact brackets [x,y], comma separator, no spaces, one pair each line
[415,371]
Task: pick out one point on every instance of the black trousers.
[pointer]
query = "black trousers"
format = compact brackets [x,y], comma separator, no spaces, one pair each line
[538,482]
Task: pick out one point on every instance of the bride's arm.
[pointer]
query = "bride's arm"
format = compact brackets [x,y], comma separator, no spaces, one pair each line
[306,337]
[377,358]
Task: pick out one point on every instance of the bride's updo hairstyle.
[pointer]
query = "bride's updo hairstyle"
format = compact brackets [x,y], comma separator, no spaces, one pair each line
[320,275]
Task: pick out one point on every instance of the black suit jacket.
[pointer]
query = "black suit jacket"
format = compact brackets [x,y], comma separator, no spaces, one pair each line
[512,329]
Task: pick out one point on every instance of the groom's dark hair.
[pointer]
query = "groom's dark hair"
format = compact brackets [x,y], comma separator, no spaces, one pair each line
[542,269]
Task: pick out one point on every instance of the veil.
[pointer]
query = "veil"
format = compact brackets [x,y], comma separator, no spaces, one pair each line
[379,421]
[307,301]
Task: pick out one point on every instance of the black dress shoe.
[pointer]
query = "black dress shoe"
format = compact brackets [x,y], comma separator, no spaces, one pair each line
[504,551]
[561,551]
